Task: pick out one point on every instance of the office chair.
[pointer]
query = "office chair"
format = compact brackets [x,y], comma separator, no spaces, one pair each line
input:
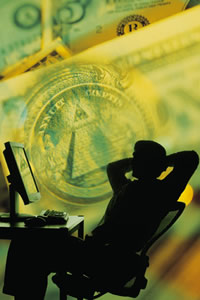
[81,286]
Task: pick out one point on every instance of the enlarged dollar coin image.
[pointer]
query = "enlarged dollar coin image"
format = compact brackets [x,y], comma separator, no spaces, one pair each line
[79,120]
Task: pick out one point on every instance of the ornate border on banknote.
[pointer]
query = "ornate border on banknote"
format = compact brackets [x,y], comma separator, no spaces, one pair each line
[131,23]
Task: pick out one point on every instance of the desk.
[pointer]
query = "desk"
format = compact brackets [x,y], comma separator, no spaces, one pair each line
[18,229]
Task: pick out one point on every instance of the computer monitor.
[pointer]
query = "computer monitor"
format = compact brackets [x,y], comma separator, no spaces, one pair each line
[21,178]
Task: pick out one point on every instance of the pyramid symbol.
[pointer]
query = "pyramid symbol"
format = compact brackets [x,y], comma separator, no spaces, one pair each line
[79,161]
[80,115]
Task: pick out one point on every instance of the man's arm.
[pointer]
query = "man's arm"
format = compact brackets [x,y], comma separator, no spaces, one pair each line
[116,172]
[184,165]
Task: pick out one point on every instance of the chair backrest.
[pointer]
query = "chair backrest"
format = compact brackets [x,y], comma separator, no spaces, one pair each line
[173,215]
[140,280]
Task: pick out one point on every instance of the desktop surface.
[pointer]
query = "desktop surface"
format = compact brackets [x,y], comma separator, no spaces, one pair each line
[18,229]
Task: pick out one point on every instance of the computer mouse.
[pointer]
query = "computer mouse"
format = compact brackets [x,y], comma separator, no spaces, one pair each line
[35,222]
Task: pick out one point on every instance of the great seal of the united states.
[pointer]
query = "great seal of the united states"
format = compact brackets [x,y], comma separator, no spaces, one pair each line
[80,119]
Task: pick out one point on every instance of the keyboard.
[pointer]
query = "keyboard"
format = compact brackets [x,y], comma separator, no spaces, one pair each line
[54,217]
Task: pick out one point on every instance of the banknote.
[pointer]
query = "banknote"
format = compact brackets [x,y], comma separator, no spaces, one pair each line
[192,3]
[76,116]
[54,52]
[20,30]
[85,23]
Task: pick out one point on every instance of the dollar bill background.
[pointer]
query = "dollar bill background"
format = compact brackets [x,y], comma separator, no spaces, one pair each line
[63,115]
[192,3]
[85,23]
[20,32]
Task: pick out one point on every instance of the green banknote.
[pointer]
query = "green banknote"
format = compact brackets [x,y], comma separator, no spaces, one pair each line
[192,3]
[54,52]
[85,23]
[20,33]
[78,115]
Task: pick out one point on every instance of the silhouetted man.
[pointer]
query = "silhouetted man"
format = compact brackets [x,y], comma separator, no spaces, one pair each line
[131,218]
[143,203]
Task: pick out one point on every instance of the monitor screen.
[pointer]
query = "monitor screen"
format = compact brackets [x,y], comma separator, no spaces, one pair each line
[21,174]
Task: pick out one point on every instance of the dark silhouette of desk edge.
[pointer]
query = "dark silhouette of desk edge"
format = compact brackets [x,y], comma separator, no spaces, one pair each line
[18,229]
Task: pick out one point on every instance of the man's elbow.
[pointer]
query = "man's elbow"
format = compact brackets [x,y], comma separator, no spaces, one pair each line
[110,168]
[194,159]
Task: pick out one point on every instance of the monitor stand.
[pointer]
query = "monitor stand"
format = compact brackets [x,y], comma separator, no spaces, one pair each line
[13,216]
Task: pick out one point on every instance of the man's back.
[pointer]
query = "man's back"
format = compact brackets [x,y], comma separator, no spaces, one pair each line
[134,215]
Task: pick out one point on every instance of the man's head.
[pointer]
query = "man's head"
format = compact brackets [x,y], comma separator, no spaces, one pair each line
[149,159]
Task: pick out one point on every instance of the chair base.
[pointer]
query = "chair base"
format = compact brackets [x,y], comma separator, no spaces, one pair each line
[68,286]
